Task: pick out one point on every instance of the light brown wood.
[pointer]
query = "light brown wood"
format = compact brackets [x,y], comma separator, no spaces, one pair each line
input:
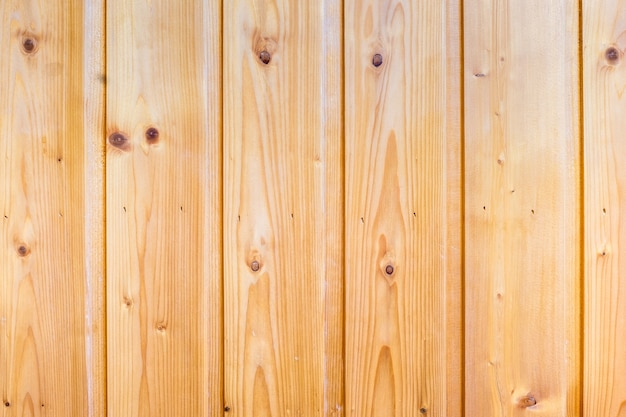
[283,208]
[523,203]
[604,80]
[51,197]
[164,292]
[403,208]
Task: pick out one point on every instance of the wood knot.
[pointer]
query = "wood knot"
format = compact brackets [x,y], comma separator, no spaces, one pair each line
[265,57]
[527,401]
[29,45]
[612,55]
[119,140]
[377,60]
[255,265]
[389,269]
[23,250]
[152,134]
[128,301]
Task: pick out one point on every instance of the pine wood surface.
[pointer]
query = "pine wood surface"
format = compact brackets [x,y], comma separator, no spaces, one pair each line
[163,177]
[403,201]
[604,202]
[282,208]
[312,208]
[52,225]
[522,209]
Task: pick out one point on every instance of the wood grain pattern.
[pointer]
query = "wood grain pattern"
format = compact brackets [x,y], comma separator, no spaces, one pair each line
[164,293]
[282,208]
[403,203]
[522,172]
[604,43]
[51,163]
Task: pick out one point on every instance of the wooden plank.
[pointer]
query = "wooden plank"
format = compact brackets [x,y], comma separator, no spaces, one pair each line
[403,234]
[164,208]
[522,176]
[52,358]
[283,208]
[604,80]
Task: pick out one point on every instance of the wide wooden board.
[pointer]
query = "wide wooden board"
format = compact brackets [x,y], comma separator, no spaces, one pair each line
[283,195]
[52,203]
[604,43]
[403,208]
[163,206]
[522,208]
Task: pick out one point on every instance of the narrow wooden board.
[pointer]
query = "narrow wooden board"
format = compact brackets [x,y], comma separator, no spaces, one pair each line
[283,198]
[523,222]
[164,292]
[52,359]
[403,208]
[604,44]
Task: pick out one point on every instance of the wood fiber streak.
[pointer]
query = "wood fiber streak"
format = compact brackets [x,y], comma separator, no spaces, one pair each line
[51,202]
[402,214]
[604,43]
[283,197]
[522,208]
[164,292]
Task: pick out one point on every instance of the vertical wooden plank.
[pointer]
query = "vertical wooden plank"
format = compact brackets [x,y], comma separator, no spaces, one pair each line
[522,162]
[604,43]
[403,236]
[51,197]
[282,208]
[164,208]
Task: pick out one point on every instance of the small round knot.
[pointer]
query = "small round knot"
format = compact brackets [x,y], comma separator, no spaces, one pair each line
[377,60]
[389,270]
[527,401]
[255,266]
[119,140]
[423,410]
[161,327]
[265,57]
[29,45]
[23,250]
[7,404]
[612,55]
[227,409]
[152,134]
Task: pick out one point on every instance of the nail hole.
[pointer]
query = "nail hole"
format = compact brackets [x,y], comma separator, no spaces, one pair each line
[612,55]
[29,45]
[152,134]
[377,60]
[389,269]
[265,57]
[255,266]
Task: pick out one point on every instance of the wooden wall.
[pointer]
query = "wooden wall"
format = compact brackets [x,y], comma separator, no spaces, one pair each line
[285,208]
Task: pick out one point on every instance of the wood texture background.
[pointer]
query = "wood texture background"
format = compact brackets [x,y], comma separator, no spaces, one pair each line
[283,208]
